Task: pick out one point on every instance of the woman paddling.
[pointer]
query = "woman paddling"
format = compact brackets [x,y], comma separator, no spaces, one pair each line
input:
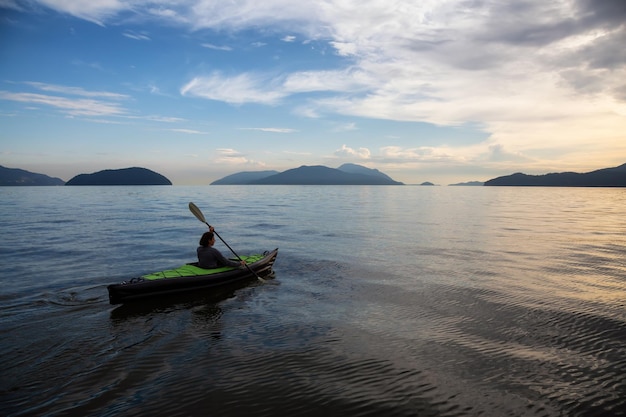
[209,257]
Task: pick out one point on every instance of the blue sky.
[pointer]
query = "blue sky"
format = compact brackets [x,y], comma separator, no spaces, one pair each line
[441,91]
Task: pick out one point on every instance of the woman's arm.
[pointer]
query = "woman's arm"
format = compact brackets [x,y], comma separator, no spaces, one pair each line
[221,260]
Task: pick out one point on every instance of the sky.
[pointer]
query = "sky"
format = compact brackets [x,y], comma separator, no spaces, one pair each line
[444,91]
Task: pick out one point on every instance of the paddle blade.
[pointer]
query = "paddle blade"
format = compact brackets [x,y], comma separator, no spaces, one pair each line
[196,212]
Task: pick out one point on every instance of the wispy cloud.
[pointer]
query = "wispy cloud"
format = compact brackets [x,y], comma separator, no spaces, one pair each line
[96,11]
[347,152]
[75,91]
[345,48]
[216,47]
[163,119]
[238,89]
[270,129]
[261,88]
[341,81]
[12,4]
[79,102]
[346,127]
[230,156]
[395,154]
[297,153]
[164,11]
[497,153]
[71,106]
[136,36]
[93,65]
[189,131]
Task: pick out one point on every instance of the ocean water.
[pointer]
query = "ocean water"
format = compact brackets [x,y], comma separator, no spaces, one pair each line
[386,301]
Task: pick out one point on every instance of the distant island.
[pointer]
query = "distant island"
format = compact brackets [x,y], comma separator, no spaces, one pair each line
[607,177]
[20,177]
[468,184]
[125,176]
[346,174]
[245,177]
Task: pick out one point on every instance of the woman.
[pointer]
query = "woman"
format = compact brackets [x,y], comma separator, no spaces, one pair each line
[209,257]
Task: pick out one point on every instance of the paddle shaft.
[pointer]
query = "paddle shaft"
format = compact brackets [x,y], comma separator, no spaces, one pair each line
[196,212]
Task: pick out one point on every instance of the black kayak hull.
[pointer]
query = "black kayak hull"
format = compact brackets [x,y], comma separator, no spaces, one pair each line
[138,289]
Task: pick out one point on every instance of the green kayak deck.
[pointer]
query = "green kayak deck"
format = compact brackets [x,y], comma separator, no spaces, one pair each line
[193,270]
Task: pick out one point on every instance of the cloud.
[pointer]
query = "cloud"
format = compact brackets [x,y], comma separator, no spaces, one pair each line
[75,91]
[270,129]
[96,11]
[163,119]
[297,153]
[347,152]
[93,65]
[345,48]
[444,62]
[189,131]
[216,47]
[71,106]
[167,14]
[230,156]
[346,127]
[244,14]
[534,74]
[397,154]
[344,81]
[238,89]
[497,153]
[288,38]
[78,102]
[233,157]
[136,36]
[251,87]
[604,13]
[12,4]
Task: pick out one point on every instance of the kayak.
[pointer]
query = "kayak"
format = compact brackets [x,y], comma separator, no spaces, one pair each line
[190,277]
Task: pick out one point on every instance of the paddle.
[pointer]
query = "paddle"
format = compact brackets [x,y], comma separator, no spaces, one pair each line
[196,212]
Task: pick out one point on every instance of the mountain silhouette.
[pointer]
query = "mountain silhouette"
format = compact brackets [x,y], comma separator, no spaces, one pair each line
[20,177]
[607,177]
[243,177]
[469,184]
[125,176]
[347,174]
[359,169]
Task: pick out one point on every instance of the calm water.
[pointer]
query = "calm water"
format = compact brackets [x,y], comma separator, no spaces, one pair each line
[387,301]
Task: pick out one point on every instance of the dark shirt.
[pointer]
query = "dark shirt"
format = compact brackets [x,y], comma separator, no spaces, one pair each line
[209,257]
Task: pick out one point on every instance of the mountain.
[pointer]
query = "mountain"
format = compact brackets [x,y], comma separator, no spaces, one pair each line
[607,177]
[470,183]
[243,177]
[347,174]
[18,177]
[321,175]
[125,176]
[359,169]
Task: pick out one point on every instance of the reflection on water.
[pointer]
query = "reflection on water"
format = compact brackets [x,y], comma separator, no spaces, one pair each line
[399,301]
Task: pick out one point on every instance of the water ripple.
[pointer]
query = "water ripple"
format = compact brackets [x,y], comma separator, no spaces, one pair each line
[393,301]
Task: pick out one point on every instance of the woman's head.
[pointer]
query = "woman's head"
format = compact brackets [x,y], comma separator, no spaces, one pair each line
[206,239]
